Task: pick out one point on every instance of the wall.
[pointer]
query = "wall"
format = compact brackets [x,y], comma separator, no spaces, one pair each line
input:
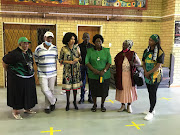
[114,31]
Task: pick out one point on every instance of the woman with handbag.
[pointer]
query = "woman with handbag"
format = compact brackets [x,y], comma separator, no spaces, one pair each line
[153,58]
[125,86]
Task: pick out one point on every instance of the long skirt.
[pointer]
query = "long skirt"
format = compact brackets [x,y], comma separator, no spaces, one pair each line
[99,89]
[21,92]
[129,93]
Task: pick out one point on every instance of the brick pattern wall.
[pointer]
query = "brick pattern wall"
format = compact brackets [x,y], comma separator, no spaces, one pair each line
[176,50]
[114,31]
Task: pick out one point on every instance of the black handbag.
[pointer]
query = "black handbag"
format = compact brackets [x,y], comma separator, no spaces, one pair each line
[137,74]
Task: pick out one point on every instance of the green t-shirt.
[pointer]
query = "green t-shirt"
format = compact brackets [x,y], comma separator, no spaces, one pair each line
[98,60]
[150,64]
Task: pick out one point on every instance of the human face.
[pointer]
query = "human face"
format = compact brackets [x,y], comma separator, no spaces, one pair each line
[125,46]
[86,38]
[72,41]
[98,43]
[151,42]
[24,45]
[48,39]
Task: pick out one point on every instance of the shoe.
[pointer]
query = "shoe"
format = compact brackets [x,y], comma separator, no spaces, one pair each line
[67,107]
[29,112]
[129,109]
[81,101]
[122,108]
[63,93]
[153,112]
[17,116]
[47,111]
[75,105]
[149,116]
[103,109]
[90,100]
[93,109]
[52,107]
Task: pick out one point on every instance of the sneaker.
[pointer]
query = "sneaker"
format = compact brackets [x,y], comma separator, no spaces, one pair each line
[17,116]
[129,109]
[63,93]
[122,108]
[149,116]
[146,112]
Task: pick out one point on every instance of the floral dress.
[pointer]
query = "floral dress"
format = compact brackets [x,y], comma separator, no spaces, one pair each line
[71,73]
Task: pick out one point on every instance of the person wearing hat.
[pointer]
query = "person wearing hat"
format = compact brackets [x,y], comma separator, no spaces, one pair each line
[125,87]
[21,87]
[98,61]
[46,55]
[153,58]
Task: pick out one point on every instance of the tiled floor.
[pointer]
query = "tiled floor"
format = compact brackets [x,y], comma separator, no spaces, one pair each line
[85,122]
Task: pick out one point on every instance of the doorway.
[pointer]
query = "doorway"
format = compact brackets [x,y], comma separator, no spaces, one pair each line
[91,29]
[35,33]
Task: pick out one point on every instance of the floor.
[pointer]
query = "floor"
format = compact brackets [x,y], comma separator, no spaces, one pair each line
[85,122]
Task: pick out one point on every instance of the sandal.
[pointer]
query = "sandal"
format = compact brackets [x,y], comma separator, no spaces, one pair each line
[29,112]
[17,116]
[93,109]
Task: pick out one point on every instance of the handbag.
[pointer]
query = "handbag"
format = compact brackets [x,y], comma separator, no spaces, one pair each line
[137,74]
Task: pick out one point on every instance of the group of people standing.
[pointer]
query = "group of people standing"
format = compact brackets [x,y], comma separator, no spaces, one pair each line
[79,61]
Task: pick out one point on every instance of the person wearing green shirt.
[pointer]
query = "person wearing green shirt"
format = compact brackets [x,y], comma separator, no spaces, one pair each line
[153,58]
[98,61]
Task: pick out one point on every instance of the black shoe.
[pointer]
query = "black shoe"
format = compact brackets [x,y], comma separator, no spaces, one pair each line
[93,109]
[67,107]
[103,109]
[90,100]
[47,111]
[81,101]
[52,107]
[75,105]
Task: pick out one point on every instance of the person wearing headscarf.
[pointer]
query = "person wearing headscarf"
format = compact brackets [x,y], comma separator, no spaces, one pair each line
[98,61]
[21,87]
[125,86]
[153,58]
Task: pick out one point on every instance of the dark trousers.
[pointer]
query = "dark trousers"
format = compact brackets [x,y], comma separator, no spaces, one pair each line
[152,90]
[83,77]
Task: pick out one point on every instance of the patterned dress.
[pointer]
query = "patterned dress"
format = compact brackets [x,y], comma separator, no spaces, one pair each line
[71,73]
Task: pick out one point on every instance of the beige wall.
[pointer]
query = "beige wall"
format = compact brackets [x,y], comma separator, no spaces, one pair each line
[114,31]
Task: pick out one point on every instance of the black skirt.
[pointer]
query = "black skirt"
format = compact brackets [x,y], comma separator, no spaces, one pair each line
[99,89]
[21,92]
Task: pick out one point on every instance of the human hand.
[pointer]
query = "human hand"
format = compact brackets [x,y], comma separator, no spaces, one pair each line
[71,62]
[95,71]
[76,60]
[101,73]
[147,75]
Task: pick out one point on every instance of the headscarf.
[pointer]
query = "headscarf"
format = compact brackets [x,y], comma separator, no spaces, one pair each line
[129,43]
[156,39]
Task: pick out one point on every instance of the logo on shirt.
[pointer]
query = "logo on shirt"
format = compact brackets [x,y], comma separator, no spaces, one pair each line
[150,56]
[98,58]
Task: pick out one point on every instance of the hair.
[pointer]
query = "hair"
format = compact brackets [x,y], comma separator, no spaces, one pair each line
[67,37]
[98,36]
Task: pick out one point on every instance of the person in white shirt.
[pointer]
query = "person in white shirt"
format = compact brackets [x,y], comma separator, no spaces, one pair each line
[46,56]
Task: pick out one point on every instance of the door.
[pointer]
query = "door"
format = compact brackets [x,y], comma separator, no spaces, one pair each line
[35,33]
[92,30]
